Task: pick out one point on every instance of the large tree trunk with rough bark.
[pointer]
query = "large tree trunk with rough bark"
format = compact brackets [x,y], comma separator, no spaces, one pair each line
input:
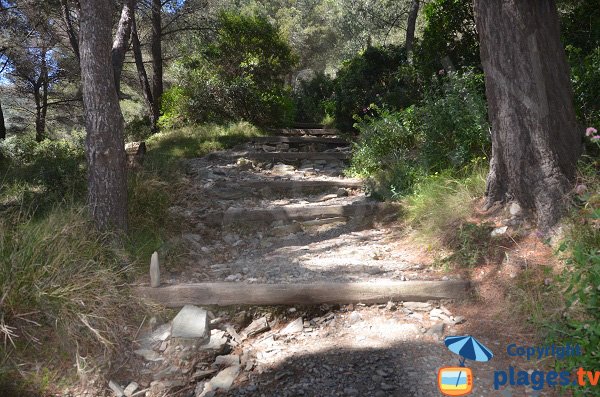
[157,62]
[105,151]
[535,140]
[121,41]
[410,28]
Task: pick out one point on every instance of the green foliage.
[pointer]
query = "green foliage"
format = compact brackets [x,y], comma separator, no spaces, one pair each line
[379,76]
[581,280]
[57,166]
[444,132]
[585,75]
[449,32]
[453,123]
[240,75]
[313,99]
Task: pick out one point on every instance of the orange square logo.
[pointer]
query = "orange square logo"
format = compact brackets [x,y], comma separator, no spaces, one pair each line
[455,381]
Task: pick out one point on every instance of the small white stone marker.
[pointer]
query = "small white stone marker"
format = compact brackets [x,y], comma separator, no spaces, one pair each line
[154,271]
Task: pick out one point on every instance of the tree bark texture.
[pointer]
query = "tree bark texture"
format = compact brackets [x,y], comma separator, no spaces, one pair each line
[2,125]
[105,151]
[410,27]
[535,141]
[157,62]
[121,41]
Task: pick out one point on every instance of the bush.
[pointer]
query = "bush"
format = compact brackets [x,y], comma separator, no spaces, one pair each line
[447,131]
[240,75]
[313,99]
[378,76]
[453,123]
[449,33]
[581,279]
[59,166]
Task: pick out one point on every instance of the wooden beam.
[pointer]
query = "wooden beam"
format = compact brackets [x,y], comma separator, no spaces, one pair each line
[286,186]
[225,294]
[298,213]
[304,131]
[282,156]
[300,139]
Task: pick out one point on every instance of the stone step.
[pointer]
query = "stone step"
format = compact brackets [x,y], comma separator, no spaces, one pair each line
[300,139]
[234,293]
[317,126]
[289,188]
[238,216]
[284,157]
[305,131]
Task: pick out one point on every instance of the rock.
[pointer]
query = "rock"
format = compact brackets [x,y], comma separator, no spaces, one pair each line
[348,391]
[224,379]
[354,317]
[293,327]
[515,209]
[391,306]
[227,361]
[130,389]
[149,355]
[499,231]
[459,319]
[154,270]
[417,306]
[256,327]
[217,341]
[234,277]
[282,169]
[341,192]
[191,322]
[439,313]
[436,330]
[116,389]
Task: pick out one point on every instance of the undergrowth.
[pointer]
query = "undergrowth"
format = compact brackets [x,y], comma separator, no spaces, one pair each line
[65,294]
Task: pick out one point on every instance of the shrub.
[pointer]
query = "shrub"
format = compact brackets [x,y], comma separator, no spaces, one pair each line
[239,75]
[449,33]
[313,99]
[448,130]
[581,279]
[453,123]
[373,77]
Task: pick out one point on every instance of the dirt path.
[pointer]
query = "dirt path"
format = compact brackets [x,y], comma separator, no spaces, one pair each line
[325,230]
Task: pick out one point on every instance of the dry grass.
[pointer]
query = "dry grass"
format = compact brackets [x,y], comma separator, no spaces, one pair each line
[63,292]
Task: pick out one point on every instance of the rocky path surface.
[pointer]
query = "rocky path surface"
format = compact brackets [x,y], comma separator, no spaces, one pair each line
[279,210]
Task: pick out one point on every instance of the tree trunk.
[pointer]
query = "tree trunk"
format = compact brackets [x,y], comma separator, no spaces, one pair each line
[410,28]
[40,96]
[105,151]
[535,141]
[2,125]
[121,41]
[157,66]
[66,15]
[142,76]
